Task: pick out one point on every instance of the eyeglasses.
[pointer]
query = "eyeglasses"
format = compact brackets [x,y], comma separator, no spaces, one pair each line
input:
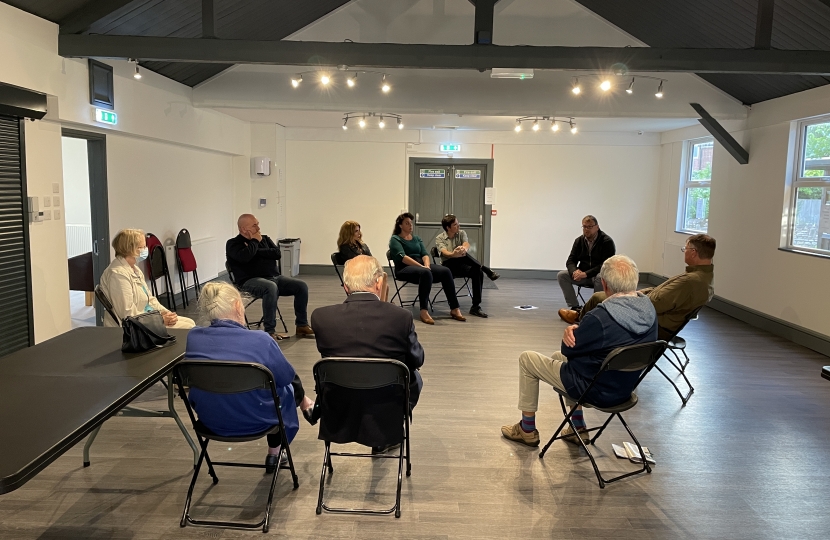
[589,226]
[683,249]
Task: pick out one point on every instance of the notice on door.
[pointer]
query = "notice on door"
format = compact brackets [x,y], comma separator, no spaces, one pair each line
[489,195]
[474,174]
[433,173]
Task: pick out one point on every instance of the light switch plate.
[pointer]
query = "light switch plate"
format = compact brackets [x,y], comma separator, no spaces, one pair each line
[47,215]
[56,187]
[56,201]
[47,202]
[56,213]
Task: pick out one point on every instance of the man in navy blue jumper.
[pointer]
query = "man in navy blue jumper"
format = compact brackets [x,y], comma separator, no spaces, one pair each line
[627,317]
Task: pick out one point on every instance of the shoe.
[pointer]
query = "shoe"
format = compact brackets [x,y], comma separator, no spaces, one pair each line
[426,319]
[568,315]
[276,336]
[567,434]
[305,331]
[493,276]
[476,310]
[458,316]
[516,433]
[271,461]
[384,449]
[312,414]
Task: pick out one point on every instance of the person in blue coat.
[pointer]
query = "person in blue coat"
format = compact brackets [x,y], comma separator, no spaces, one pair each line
[227,338]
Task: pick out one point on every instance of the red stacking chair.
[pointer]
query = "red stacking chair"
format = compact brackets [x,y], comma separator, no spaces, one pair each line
[156,267]
[186,262]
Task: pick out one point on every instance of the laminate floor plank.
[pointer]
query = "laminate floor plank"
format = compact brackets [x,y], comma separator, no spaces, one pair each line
[744,459]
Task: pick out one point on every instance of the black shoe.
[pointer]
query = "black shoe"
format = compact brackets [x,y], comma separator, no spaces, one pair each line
[476,310]
[383,449]
[271,462]
[492,275]
[312,414]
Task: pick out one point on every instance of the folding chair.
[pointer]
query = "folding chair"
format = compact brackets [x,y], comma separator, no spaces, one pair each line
[352,390]
[250,299]
[641,357]
[338,263]
[186,262]
[106,304]
[404,283]
[156,267]
[226,377]
[677,343]
[436,259]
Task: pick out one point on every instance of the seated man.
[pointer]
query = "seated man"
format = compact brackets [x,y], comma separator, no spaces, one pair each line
[625,318]
[453,247]
[677,297]
[587,255]
[252,258]
[365,327]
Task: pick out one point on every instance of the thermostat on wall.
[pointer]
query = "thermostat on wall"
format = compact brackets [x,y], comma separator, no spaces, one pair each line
[262,203]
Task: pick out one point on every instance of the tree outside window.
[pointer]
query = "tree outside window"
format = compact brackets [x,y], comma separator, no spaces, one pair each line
[809,216]
[693,212]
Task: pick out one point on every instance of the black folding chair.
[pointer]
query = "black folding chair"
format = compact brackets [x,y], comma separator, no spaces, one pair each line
[224,377]
[249,299]
[338,264]
[186,262]
[106,304]
[436,259]
[640,358]
[677,343]
[372,394]
[399,285]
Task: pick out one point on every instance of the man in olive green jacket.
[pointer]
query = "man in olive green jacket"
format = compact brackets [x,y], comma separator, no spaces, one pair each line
[678,296]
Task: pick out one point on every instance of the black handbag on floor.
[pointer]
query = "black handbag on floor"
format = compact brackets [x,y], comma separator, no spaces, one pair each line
[145,332]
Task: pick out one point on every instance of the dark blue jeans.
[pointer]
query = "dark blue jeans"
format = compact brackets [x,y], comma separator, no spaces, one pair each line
[424,278]
[270,290]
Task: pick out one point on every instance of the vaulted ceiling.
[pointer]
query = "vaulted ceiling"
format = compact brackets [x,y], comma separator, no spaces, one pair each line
[795,25]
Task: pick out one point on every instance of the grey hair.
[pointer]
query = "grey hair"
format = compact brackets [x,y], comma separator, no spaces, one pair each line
[217,301]
[592,218]
[361,273]
[620,274]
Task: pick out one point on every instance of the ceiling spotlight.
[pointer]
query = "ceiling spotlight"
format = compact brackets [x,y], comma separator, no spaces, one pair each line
[535,125]
[554,126]
[400,124]
[630,89]
[518,127]
[351,81]
[137,74]
[573,127]
[362,122]
[659,93]
[381,124]
[345,121]
[325,79]
[385,85]
[295,81]
[576,89]
[605,85]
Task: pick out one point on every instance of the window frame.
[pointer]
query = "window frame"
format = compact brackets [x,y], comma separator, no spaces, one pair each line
[686,183]
[796,181]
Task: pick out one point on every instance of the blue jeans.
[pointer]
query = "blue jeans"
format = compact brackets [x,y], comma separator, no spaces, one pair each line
[270,290]
[424,278]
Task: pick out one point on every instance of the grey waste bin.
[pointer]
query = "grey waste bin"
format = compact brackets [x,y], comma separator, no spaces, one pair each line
[290,251]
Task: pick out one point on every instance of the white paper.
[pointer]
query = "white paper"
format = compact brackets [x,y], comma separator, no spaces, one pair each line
[489,195]
[525,308]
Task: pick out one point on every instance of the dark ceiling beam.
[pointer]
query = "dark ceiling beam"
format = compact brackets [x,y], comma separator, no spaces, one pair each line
[82,18]
[763,24]
[484,14]
[208,19]
[392,55]
[721,135]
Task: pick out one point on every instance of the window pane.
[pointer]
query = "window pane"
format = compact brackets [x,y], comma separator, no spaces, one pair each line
[812,219]
[817,150]
[701,166]
[697,209]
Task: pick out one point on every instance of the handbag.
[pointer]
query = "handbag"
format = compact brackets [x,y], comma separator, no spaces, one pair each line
[145,332]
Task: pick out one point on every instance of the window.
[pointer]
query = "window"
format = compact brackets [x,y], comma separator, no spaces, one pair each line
[809,215]
[693,207]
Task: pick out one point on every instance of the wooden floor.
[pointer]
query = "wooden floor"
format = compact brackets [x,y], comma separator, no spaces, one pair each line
[746,458]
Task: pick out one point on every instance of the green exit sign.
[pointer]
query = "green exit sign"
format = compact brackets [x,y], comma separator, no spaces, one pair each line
[449,148]
[106,117]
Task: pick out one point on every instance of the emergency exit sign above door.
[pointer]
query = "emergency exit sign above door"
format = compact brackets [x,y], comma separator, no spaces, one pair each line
[449,148]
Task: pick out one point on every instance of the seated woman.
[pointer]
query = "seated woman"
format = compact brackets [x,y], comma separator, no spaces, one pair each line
[350,245]
[412,264]
[227,338]
[124,284]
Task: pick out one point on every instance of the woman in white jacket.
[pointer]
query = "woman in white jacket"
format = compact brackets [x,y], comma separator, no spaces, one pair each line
[124,284]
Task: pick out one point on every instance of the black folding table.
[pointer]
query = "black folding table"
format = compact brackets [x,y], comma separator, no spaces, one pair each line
[55,393]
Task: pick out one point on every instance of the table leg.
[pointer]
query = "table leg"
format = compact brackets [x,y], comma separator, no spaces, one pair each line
[171,406]
[89,441]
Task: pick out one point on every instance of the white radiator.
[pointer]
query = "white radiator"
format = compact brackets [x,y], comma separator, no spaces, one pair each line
[207,266]
[78,240]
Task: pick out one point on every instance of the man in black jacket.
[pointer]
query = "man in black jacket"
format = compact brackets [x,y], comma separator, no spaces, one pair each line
[365,327]
[252,257]
[589,251]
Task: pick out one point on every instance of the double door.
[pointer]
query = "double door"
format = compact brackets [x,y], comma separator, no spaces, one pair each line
[441,189]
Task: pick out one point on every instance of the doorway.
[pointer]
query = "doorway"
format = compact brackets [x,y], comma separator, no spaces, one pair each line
[438,187]
[86,210]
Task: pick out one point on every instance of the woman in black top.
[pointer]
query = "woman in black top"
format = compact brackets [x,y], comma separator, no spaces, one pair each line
[350,245]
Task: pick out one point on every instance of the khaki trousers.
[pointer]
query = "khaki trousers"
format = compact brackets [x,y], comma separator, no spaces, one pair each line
[535,367]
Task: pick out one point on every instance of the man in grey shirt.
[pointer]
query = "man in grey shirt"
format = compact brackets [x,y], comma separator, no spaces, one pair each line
[453,247]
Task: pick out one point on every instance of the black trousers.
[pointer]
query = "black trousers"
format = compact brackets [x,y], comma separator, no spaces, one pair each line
[424,277]
[468,266]
[275,439]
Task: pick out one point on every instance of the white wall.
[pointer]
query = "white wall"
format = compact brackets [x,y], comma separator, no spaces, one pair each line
[745,216]
[75,182]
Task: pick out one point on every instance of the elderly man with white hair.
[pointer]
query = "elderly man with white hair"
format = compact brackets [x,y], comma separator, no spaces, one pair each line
[626,317]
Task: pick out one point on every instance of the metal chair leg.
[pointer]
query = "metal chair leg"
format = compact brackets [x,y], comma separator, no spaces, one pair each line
[683,398]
